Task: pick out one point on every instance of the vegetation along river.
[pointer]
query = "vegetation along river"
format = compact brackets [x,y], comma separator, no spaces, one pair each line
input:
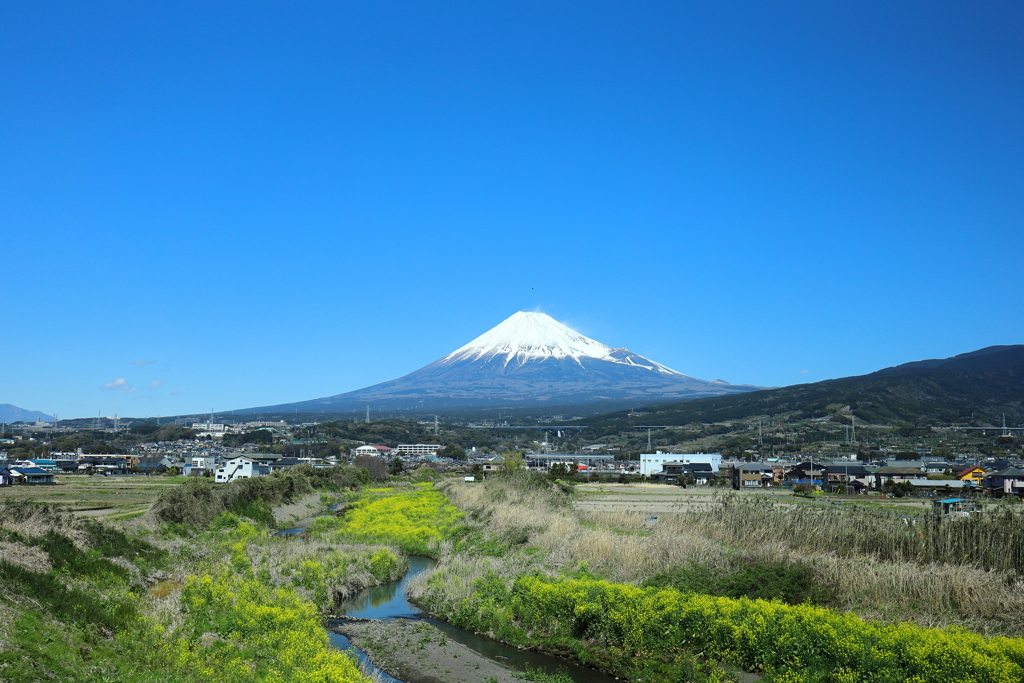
[421,649]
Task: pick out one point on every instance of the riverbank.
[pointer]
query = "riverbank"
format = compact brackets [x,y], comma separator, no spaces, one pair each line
[417,652]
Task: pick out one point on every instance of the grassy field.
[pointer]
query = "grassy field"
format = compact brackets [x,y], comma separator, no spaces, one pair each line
[659,498]
[661,583]
[95,496]
[162,600]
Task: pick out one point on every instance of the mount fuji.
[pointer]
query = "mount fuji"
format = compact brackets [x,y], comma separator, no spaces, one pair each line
[530,359]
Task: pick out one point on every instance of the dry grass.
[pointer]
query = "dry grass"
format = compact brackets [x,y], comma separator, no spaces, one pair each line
[278,554]
[35,522]
[626,546]
[33,559]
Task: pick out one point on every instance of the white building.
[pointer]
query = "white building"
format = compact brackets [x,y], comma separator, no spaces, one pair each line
[651,463]
[419,449]
[368,449]
[214,429]
[205,463]
[241,468]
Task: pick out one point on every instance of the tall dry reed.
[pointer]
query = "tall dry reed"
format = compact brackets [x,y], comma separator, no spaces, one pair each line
[855,556]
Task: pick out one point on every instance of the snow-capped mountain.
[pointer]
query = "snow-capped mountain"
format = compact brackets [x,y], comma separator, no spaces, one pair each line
[528,359]
[527,337]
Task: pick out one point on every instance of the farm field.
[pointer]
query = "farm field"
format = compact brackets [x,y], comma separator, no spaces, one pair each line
[661,498]
[95,496]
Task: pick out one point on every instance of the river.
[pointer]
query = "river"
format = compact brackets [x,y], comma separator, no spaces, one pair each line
[390,601]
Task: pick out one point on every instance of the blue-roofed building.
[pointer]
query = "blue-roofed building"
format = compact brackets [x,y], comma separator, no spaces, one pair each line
[32,475]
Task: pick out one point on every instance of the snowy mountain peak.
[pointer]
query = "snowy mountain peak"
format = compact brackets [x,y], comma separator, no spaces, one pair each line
[530,359]
[537,336]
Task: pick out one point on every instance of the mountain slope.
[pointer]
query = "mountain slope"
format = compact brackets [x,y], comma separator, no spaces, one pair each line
[528,359]
[10,413]
[976,387]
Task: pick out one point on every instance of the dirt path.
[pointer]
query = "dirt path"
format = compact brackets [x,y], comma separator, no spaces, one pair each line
[416,652]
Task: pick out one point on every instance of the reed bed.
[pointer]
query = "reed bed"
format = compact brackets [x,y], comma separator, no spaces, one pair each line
[993,541]
[876,566]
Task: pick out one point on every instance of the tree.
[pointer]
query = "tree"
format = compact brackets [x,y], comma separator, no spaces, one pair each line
[397,466]
[376,467]
[897,488]
[452,451]
[558,470]
[513,462]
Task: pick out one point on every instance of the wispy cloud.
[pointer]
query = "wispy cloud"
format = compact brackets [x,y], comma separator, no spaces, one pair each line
[121,384]
[156,383]
[143,361]
[804,372]
[175,393]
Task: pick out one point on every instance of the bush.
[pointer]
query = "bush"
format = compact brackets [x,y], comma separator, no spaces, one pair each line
[196,502]
[790,583]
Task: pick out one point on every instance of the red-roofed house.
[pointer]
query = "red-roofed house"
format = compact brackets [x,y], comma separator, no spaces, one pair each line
[972,475]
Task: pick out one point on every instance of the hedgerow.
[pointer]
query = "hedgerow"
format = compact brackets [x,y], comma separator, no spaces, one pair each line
[196,502]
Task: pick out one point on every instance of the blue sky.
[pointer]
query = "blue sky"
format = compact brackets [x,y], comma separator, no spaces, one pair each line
[230,205]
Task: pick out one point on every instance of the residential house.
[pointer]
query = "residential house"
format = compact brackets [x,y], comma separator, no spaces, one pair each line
[1008,481]
[851,478]
[32,475]
[898,474]
[242,467]
[494,464]
[104,464]
[204,463]
[807,473]
[933,465]
[752,474]
[281,463]
[151,464]
[973,476]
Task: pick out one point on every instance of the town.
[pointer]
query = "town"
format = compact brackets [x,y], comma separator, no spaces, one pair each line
[33,454]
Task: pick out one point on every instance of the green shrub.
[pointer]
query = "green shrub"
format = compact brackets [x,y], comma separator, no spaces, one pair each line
[790,583]
[196,502]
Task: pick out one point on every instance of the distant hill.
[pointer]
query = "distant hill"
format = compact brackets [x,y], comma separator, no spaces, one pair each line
[9,413]
[974,388]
